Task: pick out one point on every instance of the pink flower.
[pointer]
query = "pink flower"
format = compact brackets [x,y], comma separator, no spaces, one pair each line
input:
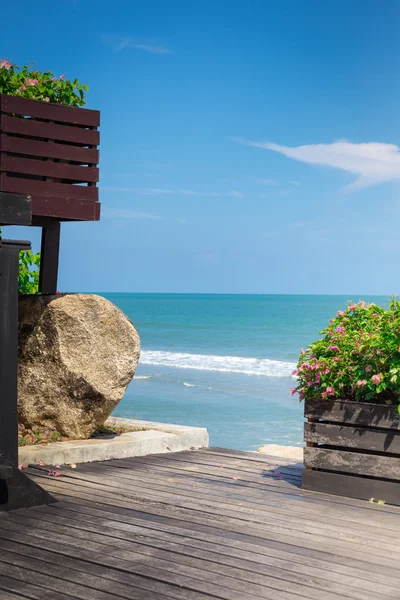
[5,64]
[362,303]
[302,351]
[317,378]
[309,383]
[54,79]
[29,82]
[62,77]
[334,348]
[368,368]
[292,391]
[340,313]
[327,371]
[294,372]
[324,395]
[352,307]
[361,382]
[370,335]
[340,329]
[376,379]
[330,391]
[22,88]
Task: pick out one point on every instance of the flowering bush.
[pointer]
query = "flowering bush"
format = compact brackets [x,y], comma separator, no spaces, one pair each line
[357,359]
[30,83]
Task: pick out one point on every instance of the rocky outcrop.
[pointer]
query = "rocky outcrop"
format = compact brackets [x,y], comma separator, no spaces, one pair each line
[77,355]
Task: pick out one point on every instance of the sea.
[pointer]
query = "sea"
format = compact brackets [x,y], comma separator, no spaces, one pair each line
[224,362]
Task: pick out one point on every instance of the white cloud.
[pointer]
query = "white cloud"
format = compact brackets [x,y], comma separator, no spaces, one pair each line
[169,192]
[122,213]
[372,163]
[119,42]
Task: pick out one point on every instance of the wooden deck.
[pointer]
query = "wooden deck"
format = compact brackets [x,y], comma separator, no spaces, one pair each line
[196,525]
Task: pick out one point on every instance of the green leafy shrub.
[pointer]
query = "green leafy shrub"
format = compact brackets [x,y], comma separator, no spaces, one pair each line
[358,357]
[28,82]
[28,273]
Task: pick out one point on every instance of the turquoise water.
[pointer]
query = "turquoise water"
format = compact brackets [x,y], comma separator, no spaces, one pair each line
[224,362]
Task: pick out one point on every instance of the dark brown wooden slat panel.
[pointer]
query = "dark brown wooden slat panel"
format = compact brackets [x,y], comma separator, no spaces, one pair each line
[52,112]
[48,168]
[353,437]
[15,209]
[35,188]
[19,145]
[64,133]
[357,413]
[65,210]
[353,462]
[351,486]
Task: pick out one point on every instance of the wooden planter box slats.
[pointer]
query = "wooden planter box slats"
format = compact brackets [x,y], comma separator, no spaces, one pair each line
[359,413]
[52,112]
[27,147]
[349,436]
[353,449]
[50,152]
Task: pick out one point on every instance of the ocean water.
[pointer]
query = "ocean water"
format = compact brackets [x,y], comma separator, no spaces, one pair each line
[224,362]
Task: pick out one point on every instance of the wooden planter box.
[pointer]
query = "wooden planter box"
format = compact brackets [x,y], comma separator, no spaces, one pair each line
[353,449]
[50,152]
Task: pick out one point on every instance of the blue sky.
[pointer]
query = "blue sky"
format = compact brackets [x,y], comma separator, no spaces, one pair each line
[246,147]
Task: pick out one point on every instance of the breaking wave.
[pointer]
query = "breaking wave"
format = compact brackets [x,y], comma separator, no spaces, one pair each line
[225,364]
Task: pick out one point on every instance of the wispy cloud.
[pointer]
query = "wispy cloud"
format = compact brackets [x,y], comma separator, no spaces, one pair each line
[173,192]
[120,42]
[372,163]
[123,213]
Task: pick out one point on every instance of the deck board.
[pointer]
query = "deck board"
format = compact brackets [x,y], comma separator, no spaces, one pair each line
[194,526]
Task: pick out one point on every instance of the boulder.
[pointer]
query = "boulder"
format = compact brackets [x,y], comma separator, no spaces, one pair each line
[77,355]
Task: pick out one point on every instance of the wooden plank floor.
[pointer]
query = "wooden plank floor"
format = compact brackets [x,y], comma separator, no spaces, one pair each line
[195,525]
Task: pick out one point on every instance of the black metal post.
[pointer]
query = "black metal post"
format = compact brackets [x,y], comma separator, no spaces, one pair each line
[49,256]
[9,251]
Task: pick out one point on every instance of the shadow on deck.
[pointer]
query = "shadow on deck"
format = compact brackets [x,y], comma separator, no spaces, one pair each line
[194,525]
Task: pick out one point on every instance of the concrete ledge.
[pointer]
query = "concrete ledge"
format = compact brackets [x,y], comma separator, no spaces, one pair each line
[157,439]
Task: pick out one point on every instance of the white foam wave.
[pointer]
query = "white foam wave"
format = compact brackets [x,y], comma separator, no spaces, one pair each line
[143,376]
[225,364]
[188,384]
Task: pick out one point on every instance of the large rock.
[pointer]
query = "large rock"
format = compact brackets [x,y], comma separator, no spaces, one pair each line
[77,355]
